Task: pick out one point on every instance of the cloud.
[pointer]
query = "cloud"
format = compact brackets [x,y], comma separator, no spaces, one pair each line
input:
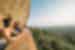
[42,21]
[62,15]
[53,21]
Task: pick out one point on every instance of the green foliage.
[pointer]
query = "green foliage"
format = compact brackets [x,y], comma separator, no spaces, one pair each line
[48,37]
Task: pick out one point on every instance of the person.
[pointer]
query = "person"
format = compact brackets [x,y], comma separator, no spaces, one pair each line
[3,42]
[7,21]
[16,27]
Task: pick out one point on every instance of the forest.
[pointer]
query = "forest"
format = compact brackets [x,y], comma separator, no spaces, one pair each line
[54,38]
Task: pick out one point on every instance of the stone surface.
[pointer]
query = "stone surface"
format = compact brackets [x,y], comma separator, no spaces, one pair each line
[18,9]
[23,41]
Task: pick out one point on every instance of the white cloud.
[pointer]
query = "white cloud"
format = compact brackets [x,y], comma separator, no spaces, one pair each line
[69,8]
[64,15]
[53,21]
[42,21]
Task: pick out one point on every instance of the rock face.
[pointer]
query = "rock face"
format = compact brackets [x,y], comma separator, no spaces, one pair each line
[24,41]
[18,9]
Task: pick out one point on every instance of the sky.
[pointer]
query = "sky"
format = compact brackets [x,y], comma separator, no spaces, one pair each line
[52,13]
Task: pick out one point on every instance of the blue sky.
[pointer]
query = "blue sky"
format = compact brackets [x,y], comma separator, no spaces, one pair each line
[52,12]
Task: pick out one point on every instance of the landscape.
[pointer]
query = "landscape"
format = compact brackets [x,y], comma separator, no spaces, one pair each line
[54,38]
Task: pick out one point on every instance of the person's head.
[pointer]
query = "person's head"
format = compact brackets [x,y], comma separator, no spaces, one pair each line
[7,21]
